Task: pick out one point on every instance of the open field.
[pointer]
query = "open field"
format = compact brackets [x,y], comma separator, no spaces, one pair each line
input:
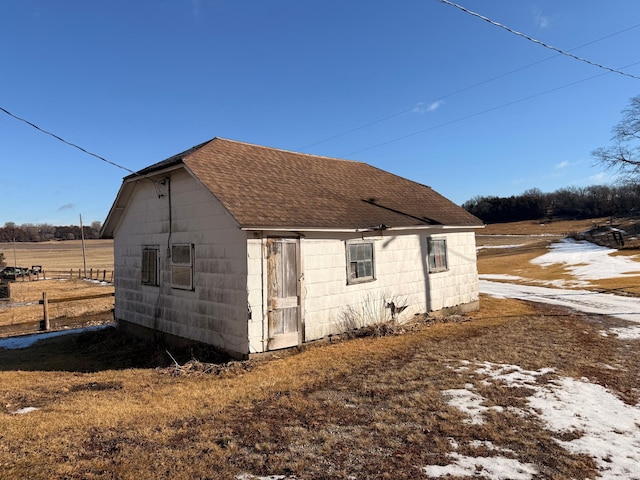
[63,255]
[368,408]
[57,257]
[511,253]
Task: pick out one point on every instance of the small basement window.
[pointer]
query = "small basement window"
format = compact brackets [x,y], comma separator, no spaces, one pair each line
[182,266]
[360,264]
[437,251]
[150,266]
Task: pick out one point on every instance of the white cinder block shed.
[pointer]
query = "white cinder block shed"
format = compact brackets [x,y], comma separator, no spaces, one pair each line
[250,249]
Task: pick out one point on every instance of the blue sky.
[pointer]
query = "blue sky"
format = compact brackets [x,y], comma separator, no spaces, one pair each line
[417,87]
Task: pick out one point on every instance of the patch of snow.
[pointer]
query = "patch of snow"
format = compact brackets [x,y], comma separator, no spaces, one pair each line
[102,283]
[22,411]
[625,333]
[24,341]
[469,403]
[588,261]
[609,429]
[488,467]
[625,308]
[512,375]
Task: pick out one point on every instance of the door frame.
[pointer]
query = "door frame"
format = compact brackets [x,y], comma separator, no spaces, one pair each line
[292,339]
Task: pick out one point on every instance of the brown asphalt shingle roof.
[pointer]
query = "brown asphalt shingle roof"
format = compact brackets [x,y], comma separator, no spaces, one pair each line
[272,188]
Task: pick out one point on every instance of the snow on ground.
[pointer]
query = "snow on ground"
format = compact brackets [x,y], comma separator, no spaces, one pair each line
[609,428]
[588,262]
[494,468]
[22,411]
[469,402]
[24,341]
[626,308]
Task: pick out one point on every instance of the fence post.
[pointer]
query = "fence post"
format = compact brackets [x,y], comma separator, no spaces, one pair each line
[44,325]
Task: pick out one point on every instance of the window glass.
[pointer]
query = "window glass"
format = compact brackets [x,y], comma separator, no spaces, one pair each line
[437,251]
[360,265]
[150,266]
[182,266]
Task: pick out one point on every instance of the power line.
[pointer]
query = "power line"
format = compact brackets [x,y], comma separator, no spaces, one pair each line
[482,112]
[464,89]
[64,141]
[531,39]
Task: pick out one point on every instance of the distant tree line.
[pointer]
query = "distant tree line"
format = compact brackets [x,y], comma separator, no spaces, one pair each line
[571,202]
[43,232]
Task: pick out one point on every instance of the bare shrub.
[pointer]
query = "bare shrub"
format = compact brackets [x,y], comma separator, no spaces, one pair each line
[376,315]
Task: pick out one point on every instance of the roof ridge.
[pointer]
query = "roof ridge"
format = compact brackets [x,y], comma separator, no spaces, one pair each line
[293,152]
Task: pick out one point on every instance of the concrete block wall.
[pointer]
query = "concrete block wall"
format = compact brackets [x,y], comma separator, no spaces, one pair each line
[215,311]
[398,277]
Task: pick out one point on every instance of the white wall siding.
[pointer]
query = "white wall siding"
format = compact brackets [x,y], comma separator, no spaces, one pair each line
[401,275]
[215,312]
[459,284]
[398,272]
[255,295]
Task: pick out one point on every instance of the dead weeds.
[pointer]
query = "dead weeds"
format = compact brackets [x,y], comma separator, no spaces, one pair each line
[365,407]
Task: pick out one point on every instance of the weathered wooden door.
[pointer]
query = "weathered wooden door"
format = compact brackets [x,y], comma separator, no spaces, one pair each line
[284,315]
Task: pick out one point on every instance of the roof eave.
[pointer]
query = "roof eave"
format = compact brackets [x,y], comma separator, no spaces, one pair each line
[282,228]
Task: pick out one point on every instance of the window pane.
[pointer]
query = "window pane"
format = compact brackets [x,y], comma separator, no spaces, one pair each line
[360,261]
[181,276]
[437,252]
[181,254]
[150,266]
[353,270]
[182,266]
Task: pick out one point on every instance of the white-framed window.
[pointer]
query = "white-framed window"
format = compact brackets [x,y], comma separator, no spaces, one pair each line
[150,265]
[360,262]
[182,266]
[437,251]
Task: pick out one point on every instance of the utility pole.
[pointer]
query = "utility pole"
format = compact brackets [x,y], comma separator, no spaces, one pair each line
[84,258]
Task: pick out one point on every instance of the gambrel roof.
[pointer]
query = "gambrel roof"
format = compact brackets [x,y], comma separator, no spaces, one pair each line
[269,188]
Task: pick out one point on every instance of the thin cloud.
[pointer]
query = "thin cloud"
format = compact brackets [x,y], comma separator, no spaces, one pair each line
[67,206]
[428,107]
[599,177]
[561,165]
[542,21]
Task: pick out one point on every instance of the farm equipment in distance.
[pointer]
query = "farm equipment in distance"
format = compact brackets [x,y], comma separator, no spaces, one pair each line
[12,273]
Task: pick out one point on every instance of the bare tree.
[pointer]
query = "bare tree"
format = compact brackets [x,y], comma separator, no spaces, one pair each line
[624,154]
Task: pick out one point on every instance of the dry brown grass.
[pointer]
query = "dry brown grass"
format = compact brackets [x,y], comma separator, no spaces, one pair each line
[518,251]
[31,292]
[62,255]
[57,257]
[368,407]
[533,227]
